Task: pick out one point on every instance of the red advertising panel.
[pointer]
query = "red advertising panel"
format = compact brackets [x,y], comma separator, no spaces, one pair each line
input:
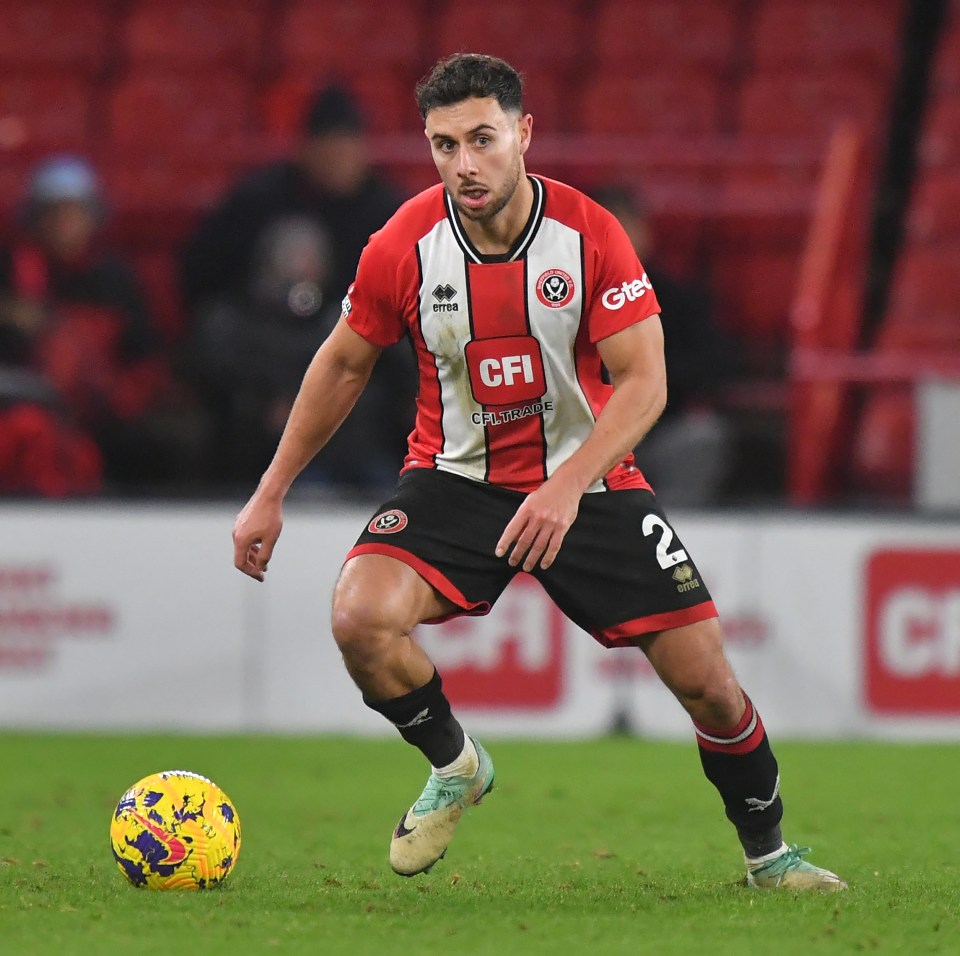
[512,657]
[913,632]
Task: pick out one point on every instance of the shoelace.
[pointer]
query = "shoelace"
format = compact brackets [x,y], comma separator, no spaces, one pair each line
[790,859]
[440,792]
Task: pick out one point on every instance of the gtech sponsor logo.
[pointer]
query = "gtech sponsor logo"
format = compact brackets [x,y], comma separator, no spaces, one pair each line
[617,297]
[912,645]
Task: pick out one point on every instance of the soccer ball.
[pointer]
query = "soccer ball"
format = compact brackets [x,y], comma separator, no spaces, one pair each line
[175,830]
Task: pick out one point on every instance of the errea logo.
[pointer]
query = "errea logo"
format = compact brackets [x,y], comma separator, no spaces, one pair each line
[619,296]
[444,294]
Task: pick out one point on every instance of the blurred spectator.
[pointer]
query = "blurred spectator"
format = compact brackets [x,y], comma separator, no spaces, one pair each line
[73,319]
[329,180]
[690,452]
[250,348]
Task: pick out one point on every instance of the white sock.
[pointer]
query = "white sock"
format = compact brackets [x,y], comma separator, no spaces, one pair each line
[466,765]
[760,860]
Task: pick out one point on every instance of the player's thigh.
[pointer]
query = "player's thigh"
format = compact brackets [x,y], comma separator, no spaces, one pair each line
[375,592]
[691,661]
[445,528]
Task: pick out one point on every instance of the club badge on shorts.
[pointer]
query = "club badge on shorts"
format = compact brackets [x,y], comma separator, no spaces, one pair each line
[389,522]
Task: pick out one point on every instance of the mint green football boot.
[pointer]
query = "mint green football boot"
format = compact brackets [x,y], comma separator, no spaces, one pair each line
[426,829]
[785,869]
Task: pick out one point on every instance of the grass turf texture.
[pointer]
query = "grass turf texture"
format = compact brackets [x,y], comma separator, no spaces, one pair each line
[614,846]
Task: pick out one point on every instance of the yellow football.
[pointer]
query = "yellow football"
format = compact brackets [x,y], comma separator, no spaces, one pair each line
[175,830]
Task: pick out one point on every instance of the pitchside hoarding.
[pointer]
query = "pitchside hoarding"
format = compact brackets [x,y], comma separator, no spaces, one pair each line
[134,618]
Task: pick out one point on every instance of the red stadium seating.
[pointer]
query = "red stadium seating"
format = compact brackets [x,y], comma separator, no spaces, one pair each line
[935,209]
[179,111]
[940,144]
[882,459]
[194,34]
[318,37]
[753,288]
[616,105]
[535,36]
[387,102]
[644,35]
[924,299]
[947,69]
[52,110]
[58,34]
[809,105]
[860,35]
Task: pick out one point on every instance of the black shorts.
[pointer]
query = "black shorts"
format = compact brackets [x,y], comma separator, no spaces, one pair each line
[621,571]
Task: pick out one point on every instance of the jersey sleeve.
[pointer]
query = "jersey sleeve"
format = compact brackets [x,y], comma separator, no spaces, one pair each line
[371,307]
[622,293]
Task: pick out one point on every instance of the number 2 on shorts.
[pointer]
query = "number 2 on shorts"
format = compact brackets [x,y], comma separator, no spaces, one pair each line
[666,559]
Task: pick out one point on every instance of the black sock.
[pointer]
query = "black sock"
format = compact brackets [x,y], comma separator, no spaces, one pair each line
[741,765]
[424,719]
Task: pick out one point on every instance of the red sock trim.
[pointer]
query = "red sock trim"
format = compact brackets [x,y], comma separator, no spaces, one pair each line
[742,739]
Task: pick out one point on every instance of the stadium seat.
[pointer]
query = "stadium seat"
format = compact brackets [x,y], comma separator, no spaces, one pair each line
[49,110]
[940,143]
[809,105]
[856,35]
[946,77]
[753,288]
[923,310]
[645,35]
[935,208]
[157,271]
[534,36]
[324,36]
[179,111]
[615,105]
[883,452]
[205,34]
[54,34]
[386,99]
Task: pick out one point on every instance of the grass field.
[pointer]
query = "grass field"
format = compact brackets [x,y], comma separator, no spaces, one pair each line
[607,847]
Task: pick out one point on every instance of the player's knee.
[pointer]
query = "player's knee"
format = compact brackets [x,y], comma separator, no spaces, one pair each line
[712,697]
[362,628]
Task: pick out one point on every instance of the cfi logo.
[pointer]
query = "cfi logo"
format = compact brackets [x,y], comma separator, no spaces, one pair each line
[390,522]
[555,288]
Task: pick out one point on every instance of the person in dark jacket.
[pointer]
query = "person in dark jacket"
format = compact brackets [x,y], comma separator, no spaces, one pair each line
[329,179]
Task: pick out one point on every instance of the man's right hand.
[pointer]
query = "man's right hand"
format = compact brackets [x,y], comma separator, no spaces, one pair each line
[255,532]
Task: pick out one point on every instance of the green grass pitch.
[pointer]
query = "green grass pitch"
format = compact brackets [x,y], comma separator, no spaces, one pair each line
[603,847]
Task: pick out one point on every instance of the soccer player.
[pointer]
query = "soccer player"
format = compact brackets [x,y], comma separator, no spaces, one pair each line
[517,292]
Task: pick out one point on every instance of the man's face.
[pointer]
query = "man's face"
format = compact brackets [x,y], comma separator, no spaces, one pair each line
[335,162]
[67,228]
[478,150]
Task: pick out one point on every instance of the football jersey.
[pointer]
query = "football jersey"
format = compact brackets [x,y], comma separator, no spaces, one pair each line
[511,381]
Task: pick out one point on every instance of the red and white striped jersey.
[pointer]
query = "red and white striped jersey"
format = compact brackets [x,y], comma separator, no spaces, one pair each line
[510,375]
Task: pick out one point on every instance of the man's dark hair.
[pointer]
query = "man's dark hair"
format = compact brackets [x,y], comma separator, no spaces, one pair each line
[465,75]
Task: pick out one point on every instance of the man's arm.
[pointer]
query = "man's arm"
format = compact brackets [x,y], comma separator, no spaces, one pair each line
[634,359]
[333,382]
